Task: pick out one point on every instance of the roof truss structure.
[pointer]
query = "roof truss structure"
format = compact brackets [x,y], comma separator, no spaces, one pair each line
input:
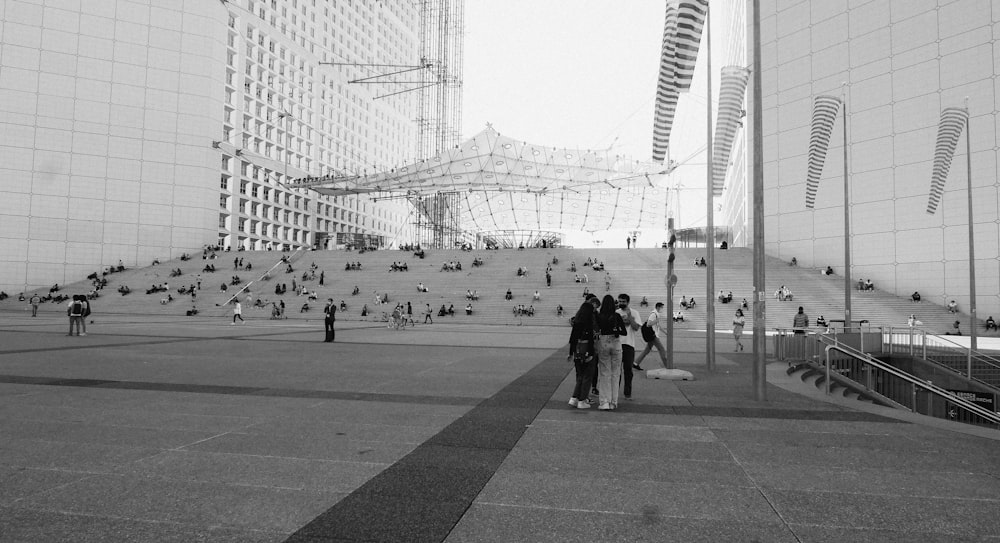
[508,184]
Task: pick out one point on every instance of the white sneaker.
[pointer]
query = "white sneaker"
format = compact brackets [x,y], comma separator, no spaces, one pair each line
[573,402]
[605,406]
[582,405]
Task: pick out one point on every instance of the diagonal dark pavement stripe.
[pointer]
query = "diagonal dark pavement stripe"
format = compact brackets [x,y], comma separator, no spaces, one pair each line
[422,497]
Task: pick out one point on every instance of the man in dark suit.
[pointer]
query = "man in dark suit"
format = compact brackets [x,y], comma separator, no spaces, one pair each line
[329,317]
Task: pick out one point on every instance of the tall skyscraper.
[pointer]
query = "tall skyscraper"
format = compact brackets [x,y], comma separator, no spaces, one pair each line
[132,131]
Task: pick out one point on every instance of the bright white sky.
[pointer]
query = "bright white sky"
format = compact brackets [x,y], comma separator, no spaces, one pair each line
[575,74]
[566,73]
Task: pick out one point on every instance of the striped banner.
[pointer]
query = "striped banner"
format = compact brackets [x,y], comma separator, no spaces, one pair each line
[682,28]
[953,119]
[727,124]
[825,110]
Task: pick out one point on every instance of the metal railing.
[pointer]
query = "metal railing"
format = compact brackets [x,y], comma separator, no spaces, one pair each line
[285,260]
[845,354]
[975,365]
[915,394]
[800,344]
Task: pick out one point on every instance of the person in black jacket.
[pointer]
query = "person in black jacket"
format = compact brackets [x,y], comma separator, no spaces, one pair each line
[329,317]
[581,352]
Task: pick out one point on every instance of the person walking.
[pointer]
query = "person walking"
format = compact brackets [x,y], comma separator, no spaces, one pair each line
[611,328]
[581,352]
[34,301]
[654,323]
[738,323]
[329,317]
[427,314]
[237,312]
[801,321]
[628,242]
[631,318]
[75,312]
[548,279]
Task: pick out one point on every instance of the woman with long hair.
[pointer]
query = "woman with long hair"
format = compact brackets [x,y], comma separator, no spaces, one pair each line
[581,351]
[610,328]
[738,323]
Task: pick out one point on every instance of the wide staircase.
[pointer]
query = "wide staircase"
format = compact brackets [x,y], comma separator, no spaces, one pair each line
[639,272]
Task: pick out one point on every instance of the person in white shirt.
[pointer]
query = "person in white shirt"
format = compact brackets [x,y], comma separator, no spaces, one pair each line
[658,323]
[237,311]
[632,320]
[738,323]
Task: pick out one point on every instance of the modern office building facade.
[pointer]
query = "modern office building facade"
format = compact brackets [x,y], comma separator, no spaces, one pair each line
[898,63]
[131,131]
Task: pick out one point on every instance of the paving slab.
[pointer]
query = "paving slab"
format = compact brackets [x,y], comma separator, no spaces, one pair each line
[488,523]
[186,502]
[40,525]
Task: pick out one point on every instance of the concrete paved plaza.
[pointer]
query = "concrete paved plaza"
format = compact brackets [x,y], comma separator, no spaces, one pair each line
[190,429]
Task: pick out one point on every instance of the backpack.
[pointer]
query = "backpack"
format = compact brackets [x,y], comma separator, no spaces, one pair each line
[76,309]
[648,334]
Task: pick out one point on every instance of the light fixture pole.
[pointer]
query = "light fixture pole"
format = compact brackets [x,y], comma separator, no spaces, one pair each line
[972,244]
[759,300]
[710,234]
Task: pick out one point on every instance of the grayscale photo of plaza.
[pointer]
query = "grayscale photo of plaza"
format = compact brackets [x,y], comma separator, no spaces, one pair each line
[456,271]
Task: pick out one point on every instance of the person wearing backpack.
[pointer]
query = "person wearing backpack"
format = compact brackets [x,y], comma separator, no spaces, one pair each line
[86,313]
[75,311]
[652,330]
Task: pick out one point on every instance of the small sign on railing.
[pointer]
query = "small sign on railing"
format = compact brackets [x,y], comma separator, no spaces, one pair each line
[982,399]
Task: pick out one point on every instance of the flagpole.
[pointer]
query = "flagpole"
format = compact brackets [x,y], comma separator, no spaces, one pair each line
[972,245]
[847,221]
[710,236]
[759,340]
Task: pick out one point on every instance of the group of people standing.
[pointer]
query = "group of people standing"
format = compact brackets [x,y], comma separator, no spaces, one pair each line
[602,346]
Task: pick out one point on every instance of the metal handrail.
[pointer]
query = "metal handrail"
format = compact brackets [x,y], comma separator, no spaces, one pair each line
[832,344]
[267,273]
[975,365]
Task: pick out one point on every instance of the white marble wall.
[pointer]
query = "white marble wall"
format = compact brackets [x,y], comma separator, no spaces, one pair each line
[107,112]
[903,61]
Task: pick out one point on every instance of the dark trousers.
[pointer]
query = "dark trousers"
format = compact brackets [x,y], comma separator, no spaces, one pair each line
[585,369]
[593,373]
[328,326]
[628,356]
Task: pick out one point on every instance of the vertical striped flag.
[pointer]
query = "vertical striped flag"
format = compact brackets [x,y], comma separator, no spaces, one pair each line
[731,89]
[682,28]
[825,108]
[953,119]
